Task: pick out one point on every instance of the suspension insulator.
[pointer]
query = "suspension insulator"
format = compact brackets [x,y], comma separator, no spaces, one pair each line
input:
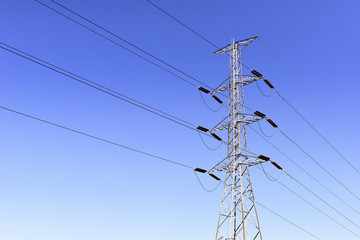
[202,129]
[276,165]
[216,98]
[264,158]
[216,137]
[215,177]
[256,73]
[259,114]
[271,123]
[203,90]
[200,170]
[268,83]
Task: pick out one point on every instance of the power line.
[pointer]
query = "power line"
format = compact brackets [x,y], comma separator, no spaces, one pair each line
[97,88]
[268,136]
[99,34]
[317,163]
[202,185]
[265,95]
[302,86]
[122,39]
[106,90]
[270,178]
[306,172]
[287,220]
[318,197]
[131,44]
[96,84]
[332,146]
[318,209]
[177,20]
[207,146]
[102,88]
[189,28]
[97,138]
[211,109]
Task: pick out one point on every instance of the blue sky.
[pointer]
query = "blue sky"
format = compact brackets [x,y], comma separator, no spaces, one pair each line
[57,185]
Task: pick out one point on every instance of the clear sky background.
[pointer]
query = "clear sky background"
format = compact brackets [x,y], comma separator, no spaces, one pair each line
[58,185]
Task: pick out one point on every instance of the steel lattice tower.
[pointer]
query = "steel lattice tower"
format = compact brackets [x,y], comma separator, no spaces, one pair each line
[238,218]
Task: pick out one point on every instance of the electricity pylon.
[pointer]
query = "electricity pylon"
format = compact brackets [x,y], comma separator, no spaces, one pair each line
[238,218]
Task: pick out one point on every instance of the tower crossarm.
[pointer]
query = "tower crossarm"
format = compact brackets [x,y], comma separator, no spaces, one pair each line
[245,119]
[250,161]
[245,80]
[242,44]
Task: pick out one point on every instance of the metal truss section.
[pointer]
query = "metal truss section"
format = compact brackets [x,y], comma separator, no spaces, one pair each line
[250,161]
[238,218]
[245,80]
[244,119]
[239,209]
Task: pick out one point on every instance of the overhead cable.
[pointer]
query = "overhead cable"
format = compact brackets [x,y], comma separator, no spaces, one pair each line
[116,43]
[321,199]
[186,26]
[265,133]
[202,185]
[264,94]
[291,74]
[287,220]
[211,109]
[97,87]
[95,137]
[270,178]
[199,35]
[317,163]
[207,146]
[308,123]
[118,145]
[316,195]
[327,141]
[318,209]
[106,90]
[306,172]
[122,39]
[133,45]
[298,146]
[94,83]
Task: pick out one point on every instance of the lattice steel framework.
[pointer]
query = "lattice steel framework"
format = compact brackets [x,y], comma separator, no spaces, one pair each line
[238,218]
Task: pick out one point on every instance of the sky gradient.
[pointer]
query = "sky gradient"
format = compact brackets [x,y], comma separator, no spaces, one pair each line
[58,185]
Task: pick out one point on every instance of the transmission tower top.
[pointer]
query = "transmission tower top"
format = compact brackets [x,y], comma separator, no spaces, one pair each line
[241,45]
